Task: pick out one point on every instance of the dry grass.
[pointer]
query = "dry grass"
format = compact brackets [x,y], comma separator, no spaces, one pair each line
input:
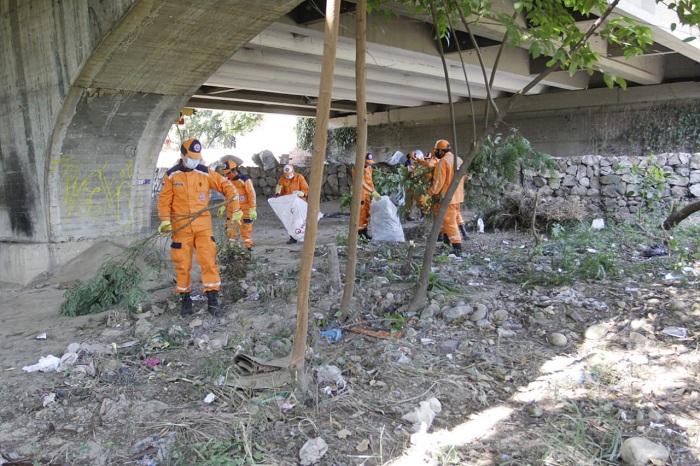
[517,206]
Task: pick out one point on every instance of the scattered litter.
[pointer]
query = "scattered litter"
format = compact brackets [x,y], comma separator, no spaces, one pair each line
[480,225]
[678,332]
[163,444]
[41,336]
[333,335]
[209,398]
[46,364]
[312,451]
[598,224]
[655,250]
[48,399]
[151,362]
[427,341]
[422,416]
[330,374]
[147,461]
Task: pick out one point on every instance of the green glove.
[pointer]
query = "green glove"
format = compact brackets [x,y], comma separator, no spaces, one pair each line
[165,227]
[375,195]
[221,212]
[253,214]
[278,189]
[237,216]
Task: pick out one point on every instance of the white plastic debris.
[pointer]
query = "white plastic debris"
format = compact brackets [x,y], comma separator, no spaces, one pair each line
[46,364]
[480,225]
[422,416]
[678,332]
[209,398]
[313,451]
[598,224]
[41,336]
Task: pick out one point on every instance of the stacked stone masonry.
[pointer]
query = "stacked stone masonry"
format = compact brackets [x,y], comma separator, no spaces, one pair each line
[620,185]
[614,185]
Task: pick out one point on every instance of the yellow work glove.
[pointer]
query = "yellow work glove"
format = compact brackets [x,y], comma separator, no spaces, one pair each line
[221,212]
[253,214]
[237,216]
[299,193]
[375,195]
[165,227]
[278,189]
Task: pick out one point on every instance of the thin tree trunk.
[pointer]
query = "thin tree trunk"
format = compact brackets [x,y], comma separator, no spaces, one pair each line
[360,47]
[677,217]
[421,293]
[319,154]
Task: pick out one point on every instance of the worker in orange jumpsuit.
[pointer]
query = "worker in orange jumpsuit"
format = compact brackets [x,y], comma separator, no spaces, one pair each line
[247,199]
[182,207]
[443,175]
[368,194]
[292,182]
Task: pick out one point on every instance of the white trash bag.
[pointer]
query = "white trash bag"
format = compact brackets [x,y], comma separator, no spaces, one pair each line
[384,221]
[291,210]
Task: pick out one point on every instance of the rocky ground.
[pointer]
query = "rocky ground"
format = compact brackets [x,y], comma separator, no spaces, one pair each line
[513,361]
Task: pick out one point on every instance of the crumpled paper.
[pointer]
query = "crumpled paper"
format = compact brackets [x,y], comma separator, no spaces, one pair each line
[422,416]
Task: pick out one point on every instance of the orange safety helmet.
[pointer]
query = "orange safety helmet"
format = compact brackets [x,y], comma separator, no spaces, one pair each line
[229,166]
[443,145]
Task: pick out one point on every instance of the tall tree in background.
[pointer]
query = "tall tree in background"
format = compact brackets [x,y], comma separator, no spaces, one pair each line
[215,128]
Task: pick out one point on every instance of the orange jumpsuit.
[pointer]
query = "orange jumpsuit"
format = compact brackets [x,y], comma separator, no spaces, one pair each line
[186,192]
[297,183]
[367,189]
[247,198]
[443,174]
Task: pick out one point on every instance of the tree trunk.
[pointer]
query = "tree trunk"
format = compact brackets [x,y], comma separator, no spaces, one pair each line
[677,217]
[318,158]
[360,48]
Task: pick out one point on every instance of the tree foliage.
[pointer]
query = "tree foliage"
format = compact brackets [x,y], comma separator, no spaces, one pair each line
[215,128]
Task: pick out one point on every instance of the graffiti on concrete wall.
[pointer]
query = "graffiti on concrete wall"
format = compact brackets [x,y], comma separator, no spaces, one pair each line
[102,192]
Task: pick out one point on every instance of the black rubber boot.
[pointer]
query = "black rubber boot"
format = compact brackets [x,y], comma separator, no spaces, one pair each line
[443,238]
[291,240]
[457,249]
[463,231]
[213,303]
[186,302]
[364,234]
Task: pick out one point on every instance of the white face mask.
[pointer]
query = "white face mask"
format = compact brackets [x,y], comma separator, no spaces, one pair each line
[290,176]
[191,163]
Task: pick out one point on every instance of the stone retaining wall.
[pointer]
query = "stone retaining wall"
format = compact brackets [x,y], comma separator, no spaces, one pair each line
[616,186]
[621,185]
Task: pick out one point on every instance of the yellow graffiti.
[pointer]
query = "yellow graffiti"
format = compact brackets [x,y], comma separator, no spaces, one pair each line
[96,194]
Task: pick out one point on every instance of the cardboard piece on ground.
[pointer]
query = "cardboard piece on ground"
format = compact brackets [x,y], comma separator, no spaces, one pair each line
[256,373]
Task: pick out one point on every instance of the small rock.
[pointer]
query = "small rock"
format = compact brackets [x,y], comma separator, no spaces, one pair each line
[638,451]
[677,305]
[557,339]
[596,332]
[637,338]
[448,346]
[479,314]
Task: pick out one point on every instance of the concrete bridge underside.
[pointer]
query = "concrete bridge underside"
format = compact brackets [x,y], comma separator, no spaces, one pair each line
[92,87]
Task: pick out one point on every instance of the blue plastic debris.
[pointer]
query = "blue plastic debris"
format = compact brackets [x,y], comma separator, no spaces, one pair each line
[333,335]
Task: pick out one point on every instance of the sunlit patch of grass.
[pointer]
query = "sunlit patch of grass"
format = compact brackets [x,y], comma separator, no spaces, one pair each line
[574,437]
